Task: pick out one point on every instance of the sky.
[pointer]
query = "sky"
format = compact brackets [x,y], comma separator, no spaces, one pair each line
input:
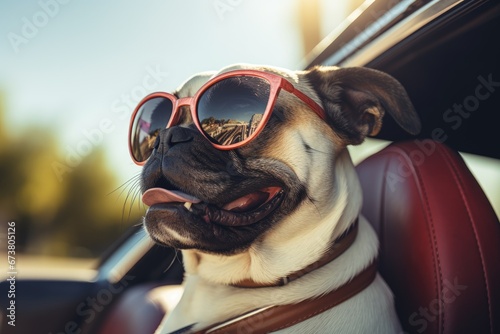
[79,67]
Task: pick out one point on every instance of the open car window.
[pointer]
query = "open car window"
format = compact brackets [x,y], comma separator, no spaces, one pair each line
[445,54]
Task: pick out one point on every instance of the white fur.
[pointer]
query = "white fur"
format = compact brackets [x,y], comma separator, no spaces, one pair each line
[370,311]
[298,240]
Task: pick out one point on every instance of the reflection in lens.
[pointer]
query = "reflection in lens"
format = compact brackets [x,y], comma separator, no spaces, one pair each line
[152,117]
[231,110]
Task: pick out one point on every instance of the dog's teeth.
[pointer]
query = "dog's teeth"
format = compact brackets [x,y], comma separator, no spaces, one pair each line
[187,205]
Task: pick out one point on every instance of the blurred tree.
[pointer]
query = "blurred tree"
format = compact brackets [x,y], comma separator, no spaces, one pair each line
[3,132]
[90,211]
[79,216]
[27,194]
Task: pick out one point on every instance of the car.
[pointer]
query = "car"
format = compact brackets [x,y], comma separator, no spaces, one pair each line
[446,54]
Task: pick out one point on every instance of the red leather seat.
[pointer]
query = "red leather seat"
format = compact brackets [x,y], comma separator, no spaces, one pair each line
[440,238]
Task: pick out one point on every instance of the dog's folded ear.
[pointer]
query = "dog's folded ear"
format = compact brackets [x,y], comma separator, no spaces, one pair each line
[356,99]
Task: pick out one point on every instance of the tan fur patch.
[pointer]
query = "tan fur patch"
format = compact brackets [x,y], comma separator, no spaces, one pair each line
[306,126]
[378,114]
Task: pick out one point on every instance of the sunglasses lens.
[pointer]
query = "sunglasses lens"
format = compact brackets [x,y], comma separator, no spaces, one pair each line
[231,110]
[152,116]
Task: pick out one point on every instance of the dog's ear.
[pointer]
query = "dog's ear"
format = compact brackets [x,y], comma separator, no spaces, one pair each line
[357,98]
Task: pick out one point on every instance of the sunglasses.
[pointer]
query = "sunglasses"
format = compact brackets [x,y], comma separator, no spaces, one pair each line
[230,110]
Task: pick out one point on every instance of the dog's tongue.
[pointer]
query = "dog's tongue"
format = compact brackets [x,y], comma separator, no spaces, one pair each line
[159,195]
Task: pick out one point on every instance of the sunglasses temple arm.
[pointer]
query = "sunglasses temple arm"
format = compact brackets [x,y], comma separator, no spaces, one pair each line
[306,99]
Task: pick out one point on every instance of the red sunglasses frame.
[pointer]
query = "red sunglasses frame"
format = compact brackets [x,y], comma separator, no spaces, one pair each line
[276,83]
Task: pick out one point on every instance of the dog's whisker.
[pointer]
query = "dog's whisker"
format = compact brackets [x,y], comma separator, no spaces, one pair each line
[172,262]
[135,195]
[140,204]
[133,192]
[131,195]
[139,231]
[126,184]
[313,202]
[318,151]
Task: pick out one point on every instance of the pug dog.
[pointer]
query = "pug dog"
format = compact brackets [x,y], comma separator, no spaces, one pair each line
[246,170]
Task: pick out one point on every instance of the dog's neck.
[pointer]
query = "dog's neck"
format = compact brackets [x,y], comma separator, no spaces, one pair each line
[337,248]
[294,247]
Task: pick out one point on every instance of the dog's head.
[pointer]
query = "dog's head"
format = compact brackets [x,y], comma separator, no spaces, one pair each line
[284,180]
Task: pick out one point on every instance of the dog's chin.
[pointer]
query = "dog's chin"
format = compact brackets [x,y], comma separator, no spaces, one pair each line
[210,228]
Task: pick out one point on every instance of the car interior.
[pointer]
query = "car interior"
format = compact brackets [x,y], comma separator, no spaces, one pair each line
[439,233]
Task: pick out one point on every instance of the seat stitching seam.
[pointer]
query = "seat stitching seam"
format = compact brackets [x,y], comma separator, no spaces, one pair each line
[441,315]
[382,215]
[458,179]
[432,234]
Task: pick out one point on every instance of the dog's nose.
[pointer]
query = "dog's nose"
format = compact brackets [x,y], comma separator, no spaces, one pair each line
[173,136]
